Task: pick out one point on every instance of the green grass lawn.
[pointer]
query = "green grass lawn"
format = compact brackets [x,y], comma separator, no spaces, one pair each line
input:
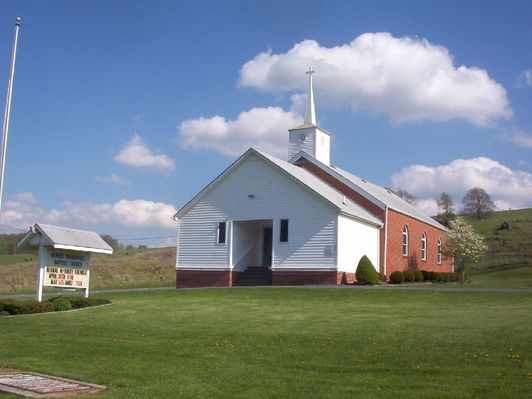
[286,343]
[512,278]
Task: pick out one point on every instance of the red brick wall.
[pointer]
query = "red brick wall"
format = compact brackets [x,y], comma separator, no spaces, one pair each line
[203,278]
[305,277]
[225,278]
[395,259]
[353,196]
[346,278]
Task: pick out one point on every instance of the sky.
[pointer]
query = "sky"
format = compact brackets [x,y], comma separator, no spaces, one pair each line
[122,111]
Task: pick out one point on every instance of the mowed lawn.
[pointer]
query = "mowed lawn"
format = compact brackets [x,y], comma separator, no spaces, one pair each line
[286,343]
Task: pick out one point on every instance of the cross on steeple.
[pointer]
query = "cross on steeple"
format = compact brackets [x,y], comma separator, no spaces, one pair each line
[310,114]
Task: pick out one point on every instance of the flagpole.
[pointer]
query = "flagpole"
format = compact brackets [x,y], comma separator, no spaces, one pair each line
[7,112]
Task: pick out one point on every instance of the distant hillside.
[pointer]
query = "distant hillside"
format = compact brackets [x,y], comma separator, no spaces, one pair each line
[508,262]
[509,238]
[123,269]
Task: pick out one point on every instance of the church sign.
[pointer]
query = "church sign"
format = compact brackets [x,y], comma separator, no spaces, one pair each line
[64,256]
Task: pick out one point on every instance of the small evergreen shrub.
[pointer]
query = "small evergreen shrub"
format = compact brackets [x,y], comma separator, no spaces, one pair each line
[366,273]
[79,302]
[456,276]
[409,276]
[426,275]
[418,275]
[432,276]
[397,277]
[61,304]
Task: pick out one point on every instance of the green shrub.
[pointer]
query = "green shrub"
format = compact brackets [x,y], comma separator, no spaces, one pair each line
[79,302]
[397,277]
[366,273]
[60,304]
[25,306]
[433,276]
[418,275]
[409,276]
[456,276]
[4,313]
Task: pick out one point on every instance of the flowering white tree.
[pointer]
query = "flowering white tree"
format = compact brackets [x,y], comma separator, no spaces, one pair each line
[464,244]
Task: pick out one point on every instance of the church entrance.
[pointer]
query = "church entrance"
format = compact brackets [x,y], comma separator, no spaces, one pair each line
[252,244]
[252,252]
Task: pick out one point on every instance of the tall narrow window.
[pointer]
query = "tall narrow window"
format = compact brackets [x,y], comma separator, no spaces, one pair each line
[405,241]
[439,251]
[283,234]
[423,246]
[222,227]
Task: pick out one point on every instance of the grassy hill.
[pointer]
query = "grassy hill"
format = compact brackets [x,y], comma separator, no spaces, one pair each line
[124,269]
[508,261]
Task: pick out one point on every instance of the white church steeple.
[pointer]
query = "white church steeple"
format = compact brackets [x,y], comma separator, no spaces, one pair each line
[310,114]
[309,137]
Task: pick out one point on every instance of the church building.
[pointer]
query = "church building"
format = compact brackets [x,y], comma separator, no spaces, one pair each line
[267,221]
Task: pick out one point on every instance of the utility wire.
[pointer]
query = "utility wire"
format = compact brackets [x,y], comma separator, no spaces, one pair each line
[143,238]
[122,239]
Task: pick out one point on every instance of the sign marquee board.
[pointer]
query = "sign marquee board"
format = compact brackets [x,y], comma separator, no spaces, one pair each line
[66,269]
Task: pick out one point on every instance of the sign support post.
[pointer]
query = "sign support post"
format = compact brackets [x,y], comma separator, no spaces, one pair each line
[40,271]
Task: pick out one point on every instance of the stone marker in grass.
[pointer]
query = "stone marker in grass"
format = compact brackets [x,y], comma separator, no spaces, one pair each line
[34,385]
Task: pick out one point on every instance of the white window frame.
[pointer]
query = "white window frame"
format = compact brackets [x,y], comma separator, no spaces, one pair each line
[405,242]
[439,252]
[423,246]
[218,233]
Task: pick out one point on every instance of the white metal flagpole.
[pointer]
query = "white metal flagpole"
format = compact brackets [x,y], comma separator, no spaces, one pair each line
[7,112]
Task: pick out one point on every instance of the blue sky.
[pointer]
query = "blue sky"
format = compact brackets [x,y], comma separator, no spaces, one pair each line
[123,110]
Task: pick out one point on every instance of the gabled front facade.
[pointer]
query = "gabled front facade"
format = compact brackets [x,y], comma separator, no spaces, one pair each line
[264,212]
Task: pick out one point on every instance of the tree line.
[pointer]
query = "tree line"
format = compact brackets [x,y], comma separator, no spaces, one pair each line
[475,202]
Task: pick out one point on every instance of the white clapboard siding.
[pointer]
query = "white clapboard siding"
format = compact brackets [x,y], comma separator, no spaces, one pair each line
[276,195]
[356,240]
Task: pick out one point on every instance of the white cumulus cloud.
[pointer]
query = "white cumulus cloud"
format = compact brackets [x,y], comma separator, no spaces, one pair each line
[407,78]
[137,154]
[130,213]
[262,128]
[508,188]
[113,179]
